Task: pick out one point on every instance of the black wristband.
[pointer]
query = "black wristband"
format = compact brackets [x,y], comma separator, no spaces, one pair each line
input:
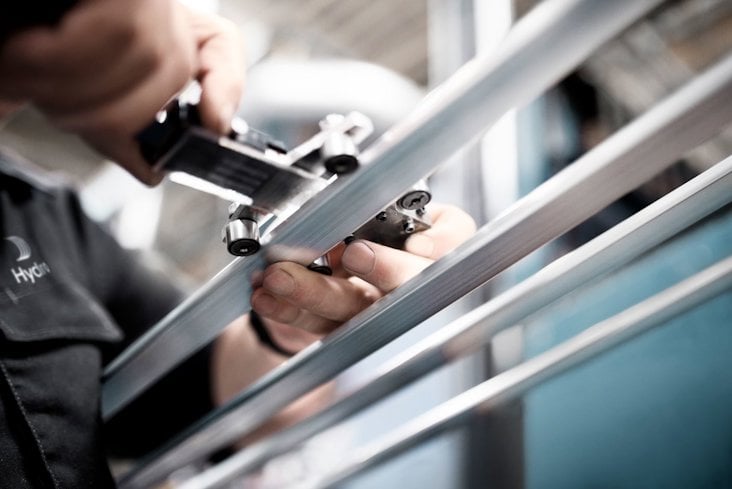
[264,337]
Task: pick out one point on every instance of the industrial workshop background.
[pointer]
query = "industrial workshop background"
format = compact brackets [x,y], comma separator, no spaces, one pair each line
[653,412]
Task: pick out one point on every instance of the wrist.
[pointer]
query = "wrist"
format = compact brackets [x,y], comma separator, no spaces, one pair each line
[265,336]
[290,339]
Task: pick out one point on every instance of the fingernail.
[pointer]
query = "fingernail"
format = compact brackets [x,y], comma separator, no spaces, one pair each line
[279,282]
[421,245]
[358,258]
[264,304]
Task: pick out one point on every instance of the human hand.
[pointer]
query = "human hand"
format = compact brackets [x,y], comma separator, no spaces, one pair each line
[110,66]
[300,305]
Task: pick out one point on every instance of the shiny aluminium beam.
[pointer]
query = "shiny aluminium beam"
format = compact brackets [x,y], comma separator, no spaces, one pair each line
[512,383]
[549,42]
[618,165]
[661,220]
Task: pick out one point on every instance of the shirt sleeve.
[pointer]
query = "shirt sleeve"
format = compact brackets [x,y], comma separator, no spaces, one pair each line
[137,296]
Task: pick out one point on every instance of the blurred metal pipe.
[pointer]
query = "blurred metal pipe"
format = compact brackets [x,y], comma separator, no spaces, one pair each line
[612,169]
[274,104]
[623,243]
[551,40]
[506,386]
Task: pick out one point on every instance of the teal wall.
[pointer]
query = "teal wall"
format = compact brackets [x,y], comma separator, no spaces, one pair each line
[654,413]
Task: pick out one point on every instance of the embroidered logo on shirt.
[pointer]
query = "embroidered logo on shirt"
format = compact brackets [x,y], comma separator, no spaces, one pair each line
[24,251]
[29,274]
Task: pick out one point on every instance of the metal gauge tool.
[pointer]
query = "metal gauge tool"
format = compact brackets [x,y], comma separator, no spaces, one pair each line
[267,182]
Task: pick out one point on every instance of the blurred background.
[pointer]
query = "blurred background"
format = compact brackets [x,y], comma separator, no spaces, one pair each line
[655,413]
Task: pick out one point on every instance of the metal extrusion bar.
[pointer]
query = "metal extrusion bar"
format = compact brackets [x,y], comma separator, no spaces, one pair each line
[622,162]
[550,41]
[506,386]
[648,228]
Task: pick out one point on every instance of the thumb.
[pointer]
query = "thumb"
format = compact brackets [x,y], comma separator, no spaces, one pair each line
[385,268]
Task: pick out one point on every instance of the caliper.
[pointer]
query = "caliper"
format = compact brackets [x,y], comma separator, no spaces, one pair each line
[266,182]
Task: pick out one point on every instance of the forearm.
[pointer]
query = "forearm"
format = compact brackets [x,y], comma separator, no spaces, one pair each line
[239,359]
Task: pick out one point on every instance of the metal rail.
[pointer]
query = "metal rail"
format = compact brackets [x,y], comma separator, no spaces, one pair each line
[693,114]
[648,228]
[545,45]
[506,386]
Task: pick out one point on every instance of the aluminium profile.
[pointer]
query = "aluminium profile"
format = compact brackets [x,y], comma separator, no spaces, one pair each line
[621,163]
[546,44]
[497,391]
[684,206]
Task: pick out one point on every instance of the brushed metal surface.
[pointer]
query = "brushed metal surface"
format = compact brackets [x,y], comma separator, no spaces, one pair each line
[631,156]
[512,383]
[623,243]
[545,45]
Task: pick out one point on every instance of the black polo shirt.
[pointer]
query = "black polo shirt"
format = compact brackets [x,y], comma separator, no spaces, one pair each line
[70,299]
